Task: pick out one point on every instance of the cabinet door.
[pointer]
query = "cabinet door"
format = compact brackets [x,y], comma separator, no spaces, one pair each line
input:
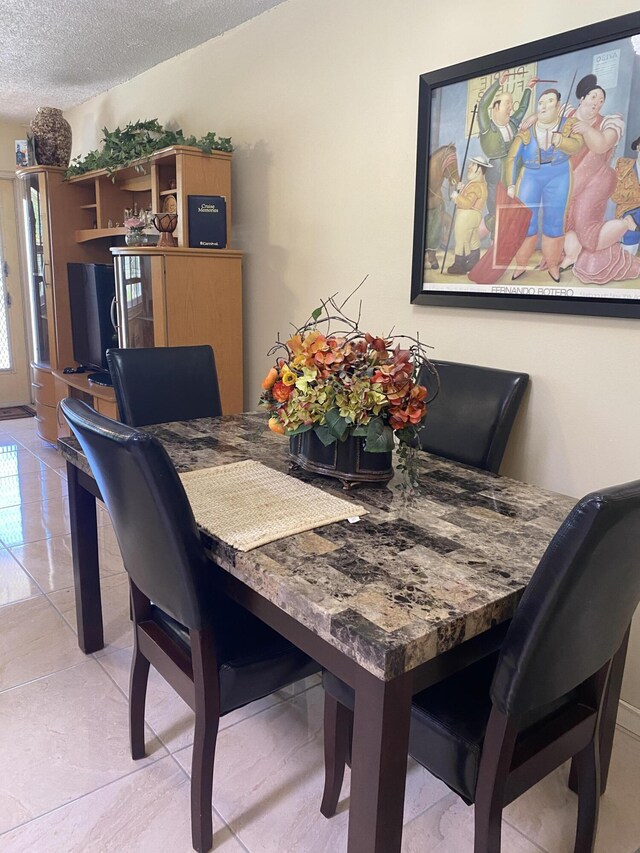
[203,298]
[139,284]
[39,269]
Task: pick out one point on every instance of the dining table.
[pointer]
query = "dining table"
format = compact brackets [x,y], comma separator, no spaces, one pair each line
[419,587]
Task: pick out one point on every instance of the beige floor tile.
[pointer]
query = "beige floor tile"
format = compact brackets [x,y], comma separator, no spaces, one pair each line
[447,827]
[34,521]
[62,736]
[7,440]
[48,455]
[118,629]
[17,460]
[19,425]
[146,811]
[36,641]
[547,813]
[269,775]
[32,441]
[171,718]
[49,561]
[28,488]
[15,583]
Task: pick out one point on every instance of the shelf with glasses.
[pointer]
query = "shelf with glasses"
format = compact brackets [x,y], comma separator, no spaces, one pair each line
[86,234]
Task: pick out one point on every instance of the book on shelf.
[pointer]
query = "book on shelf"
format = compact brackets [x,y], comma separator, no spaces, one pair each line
[207,221]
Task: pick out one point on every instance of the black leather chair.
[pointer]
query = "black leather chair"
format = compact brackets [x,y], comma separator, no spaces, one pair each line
[213,652]
[473,413]
[158,385]
[499,726]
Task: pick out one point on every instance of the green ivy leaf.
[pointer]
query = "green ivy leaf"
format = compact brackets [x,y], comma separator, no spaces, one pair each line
[379,437]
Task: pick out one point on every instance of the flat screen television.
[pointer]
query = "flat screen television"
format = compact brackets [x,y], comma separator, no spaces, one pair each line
[91,293]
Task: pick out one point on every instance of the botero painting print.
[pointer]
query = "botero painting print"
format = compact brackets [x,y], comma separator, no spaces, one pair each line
[528,192]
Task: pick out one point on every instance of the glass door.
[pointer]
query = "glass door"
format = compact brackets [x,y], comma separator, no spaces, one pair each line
[14,378]
[39,268]
[135,301]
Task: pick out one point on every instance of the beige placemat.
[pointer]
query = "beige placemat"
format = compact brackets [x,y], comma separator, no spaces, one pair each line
[247,504]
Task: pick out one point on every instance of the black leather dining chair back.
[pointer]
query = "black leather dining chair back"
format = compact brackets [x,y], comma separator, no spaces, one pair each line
[157,385]
[471,418]
[216,654]
[578,605]
[152,517]
[502,723]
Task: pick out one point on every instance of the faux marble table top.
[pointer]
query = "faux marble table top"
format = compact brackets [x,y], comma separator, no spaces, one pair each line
[431,565]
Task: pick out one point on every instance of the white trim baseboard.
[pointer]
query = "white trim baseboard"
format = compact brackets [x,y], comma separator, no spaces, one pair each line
[629,717]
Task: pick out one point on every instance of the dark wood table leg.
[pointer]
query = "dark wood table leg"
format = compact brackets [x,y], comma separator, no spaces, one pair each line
[379,767]
[86,575]
[609,715]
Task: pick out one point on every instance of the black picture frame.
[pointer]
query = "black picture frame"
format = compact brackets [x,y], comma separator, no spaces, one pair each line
[505,294]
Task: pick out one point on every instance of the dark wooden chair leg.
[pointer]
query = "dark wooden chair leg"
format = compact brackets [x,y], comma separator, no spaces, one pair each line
[338,723]
[137,698]
[207,711]
[495,764]
[588,771]
[608,719]
[139,608]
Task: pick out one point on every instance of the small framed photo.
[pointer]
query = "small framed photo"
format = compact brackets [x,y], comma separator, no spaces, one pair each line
[22,156]
[528,177]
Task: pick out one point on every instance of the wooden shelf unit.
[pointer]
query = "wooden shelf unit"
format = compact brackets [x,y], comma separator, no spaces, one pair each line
[179,171]
[197,293]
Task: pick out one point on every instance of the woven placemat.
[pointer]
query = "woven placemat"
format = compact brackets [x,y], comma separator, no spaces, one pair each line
[247,504]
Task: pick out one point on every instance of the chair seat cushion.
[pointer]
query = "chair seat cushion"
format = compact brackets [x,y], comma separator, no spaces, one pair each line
[449,721]
[253,659]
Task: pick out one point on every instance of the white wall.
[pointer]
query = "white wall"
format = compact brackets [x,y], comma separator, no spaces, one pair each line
[320,97]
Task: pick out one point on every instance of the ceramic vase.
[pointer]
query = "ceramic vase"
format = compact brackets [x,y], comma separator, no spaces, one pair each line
[52,137]
[347,460]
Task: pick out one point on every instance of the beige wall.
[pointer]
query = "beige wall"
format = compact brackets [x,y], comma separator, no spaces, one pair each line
[9,132]
[320,97]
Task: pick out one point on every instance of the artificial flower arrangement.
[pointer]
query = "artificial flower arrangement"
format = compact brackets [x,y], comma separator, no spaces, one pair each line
[346,382]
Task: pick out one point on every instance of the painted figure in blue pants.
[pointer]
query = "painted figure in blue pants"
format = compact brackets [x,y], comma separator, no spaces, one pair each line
[539,173]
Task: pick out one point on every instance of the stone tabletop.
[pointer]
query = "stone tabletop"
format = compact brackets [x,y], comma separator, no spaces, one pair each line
[431,565]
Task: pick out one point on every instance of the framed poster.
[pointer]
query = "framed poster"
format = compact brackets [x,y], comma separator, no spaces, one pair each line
[528,177]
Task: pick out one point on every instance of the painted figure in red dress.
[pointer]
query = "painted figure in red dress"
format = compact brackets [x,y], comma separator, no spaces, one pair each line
[592,245]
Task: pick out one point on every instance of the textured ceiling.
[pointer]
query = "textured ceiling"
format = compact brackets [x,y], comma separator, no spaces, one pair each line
[59,53]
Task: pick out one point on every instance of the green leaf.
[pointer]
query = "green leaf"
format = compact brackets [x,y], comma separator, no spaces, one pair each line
[337,425]
[299,430]
[360,431]
[316,313]
[407,435]
[325,436]
[379,437]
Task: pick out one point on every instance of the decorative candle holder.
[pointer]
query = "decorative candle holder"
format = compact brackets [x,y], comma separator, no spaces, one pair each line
[166,224]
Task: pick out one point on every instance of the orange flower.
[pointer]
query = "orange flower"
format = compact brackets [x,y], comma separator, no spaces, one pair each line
[269,379]
[281,392]
[276,426]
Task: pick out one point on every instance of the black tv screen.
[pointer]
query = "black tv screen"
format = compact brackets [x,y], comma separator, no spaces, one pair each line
[91,292]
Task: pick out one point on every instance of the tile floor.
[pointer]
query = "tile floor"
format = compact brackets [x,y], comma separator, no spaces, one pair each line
[67,782]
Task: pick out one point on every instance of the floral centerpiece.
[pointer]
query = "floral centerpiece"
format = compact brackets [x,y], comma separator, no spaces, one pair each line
[346,383]
[135,227]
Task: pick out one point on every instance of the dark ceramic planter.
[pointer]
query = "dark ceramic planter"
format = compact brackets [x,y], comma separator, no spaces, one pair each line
[345,460]
[52,137]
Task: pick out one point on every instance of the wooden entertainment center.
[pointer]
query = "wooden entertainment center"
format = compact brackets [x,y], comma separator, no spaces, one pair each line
[164,296]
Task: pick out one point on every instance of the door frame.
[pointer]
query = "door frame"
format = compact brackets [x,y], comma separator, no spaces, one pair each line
[21,275]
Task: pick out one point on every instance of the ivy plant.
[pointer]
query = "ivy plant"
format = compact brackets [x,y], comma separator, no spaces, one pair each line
[138,141]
